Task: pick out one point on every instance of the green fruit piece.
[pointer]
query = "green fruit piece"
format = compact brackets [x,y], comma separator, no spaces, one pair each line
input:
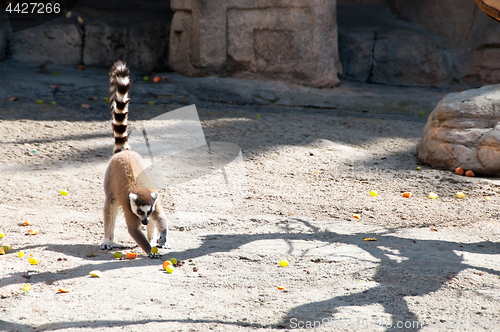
[173,260]
[154,250]
[106,99]
[7,247]
[151,102]
[145,78]
[53,103]
[257,116]
[118,254]
[56,74]
[421,113]
[39,102]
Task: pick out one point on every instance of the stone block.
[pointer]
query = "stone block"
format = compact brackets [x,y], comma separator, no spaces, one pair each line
[59,41]
[464,130]
[295,41]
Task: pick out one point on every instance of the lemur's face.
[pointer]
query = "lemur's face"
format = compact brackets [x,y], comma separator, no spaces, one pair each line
[143,205]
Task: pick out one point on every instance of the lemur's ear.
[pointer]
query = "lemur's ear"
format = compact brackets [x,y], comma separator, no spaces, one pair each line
[132,196]
[155,196]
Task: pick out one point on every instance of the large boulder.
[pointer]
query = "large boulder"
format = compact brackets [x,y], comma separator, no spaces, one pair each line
[464,130]
[295,40]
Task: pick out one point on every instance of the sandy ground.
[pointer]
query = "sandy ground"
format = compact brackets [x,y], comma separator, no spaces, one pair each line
[307,172]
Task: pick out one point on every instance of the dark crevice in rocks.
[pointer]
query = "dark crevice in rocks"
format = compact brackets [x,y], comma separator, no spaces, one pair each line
[370,75]
[83,43]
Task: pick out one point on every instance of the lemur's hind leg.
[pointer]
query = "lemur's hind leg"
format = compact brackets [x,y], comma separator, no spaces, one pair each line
[110,212]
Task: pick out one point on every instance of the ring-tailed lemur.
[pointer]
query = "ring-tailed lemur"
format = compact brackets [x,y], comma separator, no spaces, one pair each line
[139,204]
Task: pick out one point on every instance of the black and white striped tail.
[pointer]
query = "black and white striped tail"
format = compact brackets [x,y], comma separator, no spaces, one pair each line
[119,84]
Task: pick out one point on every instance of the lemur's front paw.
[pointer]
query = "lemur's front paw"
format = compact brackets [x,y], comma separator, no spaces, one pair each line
[110,246]
[154,256]
[162,243]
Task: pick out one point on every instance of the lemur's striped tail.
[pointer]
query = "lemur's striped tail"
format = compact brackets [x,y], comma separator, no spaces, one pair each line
[119,84]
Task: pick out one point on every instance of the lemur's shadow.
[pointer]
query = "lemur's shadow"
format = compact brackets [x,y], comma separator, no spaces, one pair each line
[424,266]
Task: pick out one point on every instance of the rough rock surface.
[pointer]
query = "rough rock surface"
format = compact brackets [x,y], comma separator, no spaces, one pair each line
[294,41]
[472,38]
[464,130]
[377,47]
[59,41]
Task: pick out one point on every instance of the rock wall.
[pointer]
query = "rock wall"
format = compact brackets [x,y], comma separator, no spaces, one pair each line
[470,36]
[294,40]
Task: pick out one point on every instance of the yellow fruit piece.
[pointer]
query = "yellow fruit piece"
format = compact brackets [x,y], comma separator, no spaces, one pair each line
[96,273]
[63,193]
[106,99]
[32,231]
[283,263]
[169,268]
[173,260]
[20,254]
[154,250]
[373,193]
[418,168]
[370,239]
[433,195]
[7,247]
[2,252]
[33,261]
[460,195]
[487,198]
[1,235]
[118,254]
[27,287]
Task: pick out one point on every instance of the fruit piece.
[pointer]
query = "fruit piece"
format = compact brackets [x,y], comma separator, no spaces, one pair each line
[156,79]
[12,98]
[257,116]
[56,74]
[27,287]
[39,102]
[173,260]
[2,251]
[1,235]
[63,193]
[459,171]
[53,103]
[80,20]
[281,288]
[373,193]
[32,231]
[151,102]
[169,268]
[7,247]
[154,250]
[33,261]
[370,239]
[460,195]
[166,263]
[283,263]
[487,198]
[421,113]
[130,255]
[357,216]
[145,78]
[418,168]
[118,254]
[68,14]
[26,223]
[470,173]
[407,194]
[96,273]
[63,290]
[433,195]
[20,254]
[106,99]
